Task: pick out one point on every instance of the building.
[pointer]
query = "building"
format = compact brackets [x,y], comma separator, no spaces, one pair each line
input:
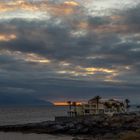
[98,106]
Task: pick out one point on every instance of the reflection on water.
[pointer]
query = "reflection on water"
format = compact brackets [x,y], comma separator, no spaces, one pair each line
[20,136]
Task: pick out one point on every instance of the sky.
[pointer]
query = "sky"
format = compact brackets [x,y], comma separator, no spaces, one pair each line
[60,50]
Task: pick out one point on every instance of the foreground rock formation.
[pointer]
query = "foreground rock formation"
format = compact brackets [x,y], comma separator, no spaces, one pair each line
[100,126]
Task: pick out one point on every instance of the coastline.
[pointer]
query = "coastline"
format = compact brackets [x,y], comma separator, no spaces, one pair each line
[90,128]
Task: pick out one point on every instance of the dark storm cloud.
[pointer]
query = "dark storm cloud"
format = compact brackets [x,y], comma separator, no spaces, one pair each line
[85,52]
[52,41]
[132,18]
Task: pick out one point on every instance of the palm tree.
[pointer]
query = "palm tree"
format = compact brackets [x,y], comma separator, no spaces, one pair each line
[74,105]
[114,106]
[117,106]
[122,106]
[127,104]
[69,103]
[138,107]
[97,98]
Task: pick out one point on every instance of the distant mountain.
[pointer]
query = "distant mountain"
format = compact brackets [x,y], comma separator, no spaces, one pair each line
[11,99]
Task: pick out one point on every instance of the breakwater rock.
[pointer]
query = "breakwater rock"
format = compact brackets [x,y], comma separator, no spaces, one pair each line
[101,125]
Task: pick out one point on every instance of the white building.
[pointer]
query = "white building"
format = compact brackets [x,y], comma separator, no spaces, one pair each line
[99,106]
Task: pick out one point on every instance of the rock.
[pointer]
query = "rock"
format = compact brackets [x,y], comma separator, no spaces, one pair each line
[70,125]
[78,138]
[108,136]
[75,138]
[58,127]
[73,131]
[79,127]
[93,126]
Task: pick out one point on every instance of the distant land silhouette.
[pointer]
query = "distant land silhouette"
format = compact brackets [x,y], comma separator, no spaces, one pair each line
[23,99]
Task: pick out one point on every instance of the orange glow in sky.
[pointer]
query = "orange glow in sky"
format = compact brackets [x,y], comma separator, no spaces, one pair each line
[71,3]
[4,37]
[64,103]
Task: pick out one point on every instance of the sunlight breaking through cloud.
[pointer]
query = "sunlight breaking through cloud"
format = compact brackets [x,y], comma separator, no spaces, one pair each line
[73,45]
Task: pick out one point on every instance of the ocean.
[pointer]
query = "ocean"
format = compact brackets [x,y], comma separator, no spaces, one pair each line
[30,114]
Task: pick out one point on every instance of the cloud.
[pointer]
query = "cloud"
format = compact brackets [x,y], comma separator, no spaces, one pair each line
[7,37]
[68,51]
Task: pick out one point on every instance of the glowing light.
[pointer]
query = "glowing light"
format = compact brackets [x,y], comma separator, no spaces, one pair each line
[127,67]
[64,64]
[81,71]
[40,61]
[25,15]
[35,58]
[65,103]
[7,37]
[83,25]
[71,3]
[79,33]
[23,10]
[16,5]
[92,69]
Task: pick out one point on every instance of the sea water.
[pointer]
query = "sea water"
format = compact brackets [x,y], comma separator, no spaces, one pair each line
[30,114]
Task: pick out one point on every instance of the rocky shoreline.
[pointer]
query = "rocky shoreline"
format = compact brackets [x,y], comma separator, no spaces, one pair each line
[104,126]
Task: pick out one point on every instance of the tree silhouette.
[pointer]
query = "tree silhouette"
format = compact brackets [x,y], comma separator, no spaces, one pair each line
[127,104]
[97,98]
[138,107]
[74,105]
[70,105]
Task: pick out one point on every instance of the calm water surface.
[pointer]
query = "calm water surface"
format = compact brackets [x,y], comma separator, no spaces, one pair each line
[28,114]
[21,115]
